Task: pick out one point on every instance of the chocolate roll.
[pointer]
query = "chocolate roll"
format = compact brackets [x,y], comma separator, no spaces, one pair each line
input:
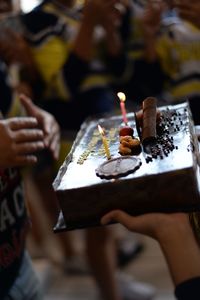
[149,122]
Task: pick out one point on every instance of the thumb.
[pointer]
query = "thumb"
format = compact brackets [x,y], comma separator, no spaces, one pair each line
[28,105]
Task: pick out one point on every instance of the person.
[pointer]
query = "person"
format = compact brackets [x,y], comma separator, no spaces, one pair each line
[174,44]
[177,241]
[18,60]
[86,50]
[145,77]
[77,82]
[21,139]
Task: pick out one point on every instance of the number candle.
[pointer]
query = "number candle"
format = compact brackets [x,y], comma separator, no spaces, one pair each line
[105,143]
[122,99]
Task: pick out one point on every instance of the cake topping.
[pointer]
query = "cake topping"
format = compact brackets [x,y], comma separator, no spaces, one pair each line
[118,167]
[149,122]
[129,146]
[126,130]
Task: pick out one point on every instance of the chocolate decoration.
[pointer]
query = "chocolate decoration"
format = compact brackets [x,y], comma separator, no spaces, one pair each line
[149,122]
[126,130]
[118,167]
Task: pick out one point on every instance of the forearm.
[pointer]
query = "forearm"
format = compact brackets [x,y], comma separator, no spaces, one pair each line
[116,59]
[150,53]
[83,45]
[114,43]
[80,57]
[182,253]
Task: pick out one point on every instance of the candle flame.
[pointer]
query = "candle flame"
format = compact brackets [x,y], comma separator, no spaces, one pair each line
[122,96]
[100,130]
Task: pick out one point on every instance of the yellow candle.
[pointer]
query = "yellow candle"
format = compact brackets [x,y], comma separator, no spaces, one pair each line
[105,143]
[122,99]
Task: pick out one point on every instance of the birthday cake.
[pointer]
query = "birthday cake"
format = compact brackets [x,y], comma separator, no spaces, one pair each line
[162,177]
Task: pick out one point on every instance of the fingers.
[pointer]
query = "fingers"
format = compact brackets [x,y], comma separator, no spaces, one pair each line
[28,135]
[27,104]
[44,119]
[54,146]
[144,224]
[25,160]
[29,147]
[47,123]
[119,216]
[51,134]
[52,139]
[22,123]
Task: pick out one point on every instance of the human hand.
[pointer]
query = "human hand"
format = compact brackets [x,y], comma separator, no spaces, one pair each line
[175,236]
[46,123]
[150,21]
[156,225]
[14,49]
[20,139]
[101,12]
[5,6]
[189,11]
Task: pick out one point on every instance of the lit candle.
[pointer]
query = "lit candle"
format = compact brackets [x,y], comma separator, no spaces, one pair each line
[105,143]
[122,99]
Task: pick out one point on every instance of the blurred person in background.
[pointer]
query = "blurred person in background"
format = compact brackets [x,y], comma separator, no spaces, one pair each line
[22,138]
[79,71]
[145,77]
[92,81]
[77,56]
[172,41]
[18,71]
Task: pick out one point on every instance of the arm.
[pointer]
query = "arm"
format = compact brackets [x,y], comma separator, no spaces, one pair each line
[96,12]
[82,49]
[116,19]
[175,236]
[117,38]
[150,23]
[93,14]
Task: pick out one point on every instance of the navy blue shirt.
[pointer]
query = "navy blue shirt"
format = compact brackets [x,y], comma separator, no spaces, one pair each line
[188,290]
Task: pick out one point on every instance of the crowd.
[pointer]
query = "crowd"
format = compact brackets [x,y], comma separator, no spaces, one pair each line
[59,64]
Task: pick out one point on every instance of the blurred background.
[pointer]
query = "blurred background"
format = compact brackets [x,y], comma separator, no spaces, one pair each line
[45,63]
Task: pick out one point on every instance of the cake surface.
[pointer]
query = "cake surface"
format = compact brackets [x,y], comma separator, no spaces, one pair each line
[165,180]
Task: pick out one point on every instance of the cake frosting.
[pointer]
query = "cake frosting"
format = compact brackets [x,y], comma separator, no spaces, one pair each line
[165,179]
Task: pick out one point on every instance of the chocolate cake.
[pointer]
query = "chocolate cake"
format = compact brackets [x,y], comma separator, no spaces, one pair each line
[163,179]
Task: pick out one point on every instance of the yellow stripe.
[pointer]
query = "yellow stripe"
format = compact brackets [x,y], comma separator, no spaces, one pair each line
[185,89]
[164,47]
[136,54]
[95,80]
